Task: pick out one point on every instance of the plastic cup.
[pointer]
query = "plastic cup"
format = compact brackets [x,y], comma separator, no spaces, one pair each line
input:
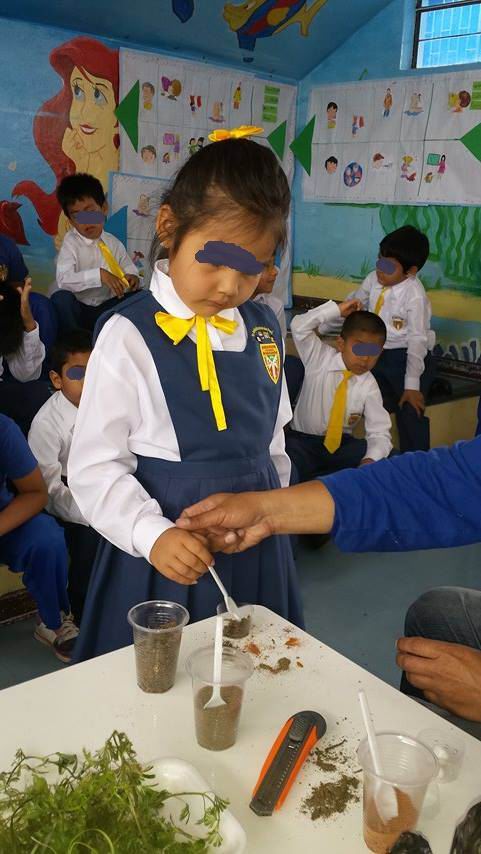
[236,629]
[157,628]
[216,728]
[448,748]
[408,767]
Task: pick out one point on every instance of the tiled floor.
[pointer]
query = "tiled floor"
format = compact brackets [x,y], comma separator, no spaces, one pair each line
[354,603]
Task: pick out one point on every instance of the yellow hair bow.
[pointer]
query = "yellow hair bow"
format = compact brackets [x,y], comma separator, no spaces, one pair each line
[235,133]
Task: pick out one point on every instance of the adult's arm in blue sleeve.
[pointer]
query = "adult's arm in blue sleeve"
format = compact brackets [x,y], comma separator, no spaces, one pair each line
[414,501]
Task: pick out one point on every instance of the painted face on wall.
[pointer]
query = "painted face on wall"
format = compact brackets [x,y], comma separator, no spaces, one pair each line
[92,114]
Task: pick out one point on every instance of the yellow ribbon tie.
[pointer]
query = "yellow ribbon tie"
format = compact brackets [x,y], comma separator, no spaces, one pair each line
[380,301]
[332,439]
[176,328]
[114,265]
[235,133]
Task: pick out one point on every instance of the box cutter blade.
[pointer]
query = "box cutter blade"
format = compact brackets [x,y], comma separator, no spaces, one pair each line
[286,757]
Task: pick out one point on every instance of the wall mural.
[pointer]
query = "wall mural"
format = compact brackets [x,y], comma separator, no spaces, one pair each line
[260,19]
[184,9]
[76,130]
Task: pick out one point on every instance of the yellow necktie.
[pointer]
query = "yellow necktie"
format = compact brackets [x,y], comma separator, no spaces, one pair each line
[176,328]
[114,265]
[333,436]
[380,301]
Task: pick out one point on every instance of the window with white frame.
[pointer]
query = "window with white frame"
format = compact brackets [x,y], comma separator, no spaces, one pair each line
[446,32]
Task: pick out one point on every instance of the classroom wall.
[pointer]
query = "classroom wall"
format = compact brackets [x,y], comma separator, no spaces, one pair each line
[38,143]
[336,245]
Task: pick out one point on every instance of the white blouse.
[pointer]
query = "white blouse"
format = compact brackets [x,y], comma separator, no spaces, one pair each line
[123,413]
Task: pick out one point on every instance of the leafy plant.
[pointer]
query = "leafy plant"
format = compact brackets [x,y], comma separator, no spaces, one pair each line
[100,803]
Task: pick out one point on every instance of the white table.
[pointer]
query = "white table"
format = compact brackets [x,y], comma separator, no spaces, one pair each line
[80,706]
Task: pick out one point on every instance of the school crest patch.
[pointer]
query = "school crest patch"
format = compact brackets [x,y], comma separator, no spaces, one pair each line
[269,351]
[3,272]
[398,323]
[353,418]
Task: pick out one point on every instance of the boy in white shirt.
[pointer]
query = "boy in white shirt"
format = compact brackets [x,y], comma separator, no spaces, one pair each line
[338,389]
[50,438]
[94,270]
[406,368]
[263,294]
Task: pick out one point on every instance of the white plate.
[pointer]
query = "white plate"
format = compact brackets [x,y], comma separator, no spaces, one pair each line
[175,775]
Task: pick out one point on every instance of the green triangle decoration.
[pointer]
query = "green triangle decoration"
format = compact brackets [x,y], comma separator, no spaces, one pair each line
[277,140]
[127,113]
[302,146]
[472,141]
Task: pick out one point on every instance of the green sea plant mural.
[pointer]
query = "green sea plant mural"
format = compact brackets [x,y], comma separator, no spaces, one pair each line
[454,234]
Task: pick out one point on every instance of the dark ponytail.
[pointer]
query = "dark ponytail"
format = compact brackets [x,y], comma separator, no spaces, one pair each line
[221,180]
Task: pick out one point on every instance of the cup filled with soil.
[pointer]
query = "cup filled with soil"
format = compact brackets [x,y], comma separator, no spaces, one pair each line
[408,768]
[157,627]
[216,727]
[236,629]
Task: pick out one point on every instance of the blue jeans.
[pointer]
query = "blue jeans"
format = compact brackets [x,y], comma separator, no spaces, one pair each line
[453,615]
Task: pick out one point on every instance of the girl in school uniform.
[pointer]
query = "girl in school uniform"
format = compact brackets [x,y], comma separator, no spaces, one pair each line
[184,396]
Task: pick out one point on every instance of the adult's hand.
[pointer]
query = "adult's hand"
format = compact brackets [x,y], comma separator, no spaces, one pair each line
[449,674]
[243,520]
[234,522]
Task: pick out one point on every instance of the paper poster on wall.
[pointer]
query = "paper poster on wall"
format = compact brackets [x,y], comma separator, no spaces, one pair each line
[417,104]
[169,150]
[353,167]
[387,111]
[456,106]
[409,171]
[272,104]
[149,90]
[382,171]
[356,118]
[145,160]
[171,92]
[450,174]
[218,104]
[142,197]
[329,107]
[192,140]
[328,170]
[240,101]
[196,95]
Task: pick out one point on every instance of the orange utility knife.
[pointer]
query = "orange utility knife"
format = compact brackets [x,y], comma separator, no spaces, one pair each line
[287,755]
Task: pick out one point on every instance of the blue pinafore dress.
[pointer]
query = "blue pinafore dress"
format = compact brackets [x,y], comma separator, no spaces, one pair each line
[233,460]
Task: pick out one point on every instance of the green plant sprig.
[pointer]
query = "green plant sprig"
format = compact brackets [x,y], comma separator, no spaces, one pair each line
[100,803]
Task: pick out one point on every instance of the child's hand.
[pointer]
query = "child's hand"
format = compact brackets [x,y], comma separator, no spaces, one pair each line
[180,556]
[415,398]
[134,282]
[349,306]
[112,283]
[29,323]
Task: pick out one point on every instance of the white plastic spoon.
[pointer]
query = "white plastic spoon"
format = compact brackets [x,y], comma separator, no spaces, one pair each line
[230,605]
[384,794]
[216,698]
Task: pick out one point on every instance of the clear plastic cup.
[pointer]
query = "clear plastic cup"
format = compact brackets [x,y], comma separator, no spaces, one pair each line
[157,628]
[408,766]
[216,728]
[236,629]
[448,748]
